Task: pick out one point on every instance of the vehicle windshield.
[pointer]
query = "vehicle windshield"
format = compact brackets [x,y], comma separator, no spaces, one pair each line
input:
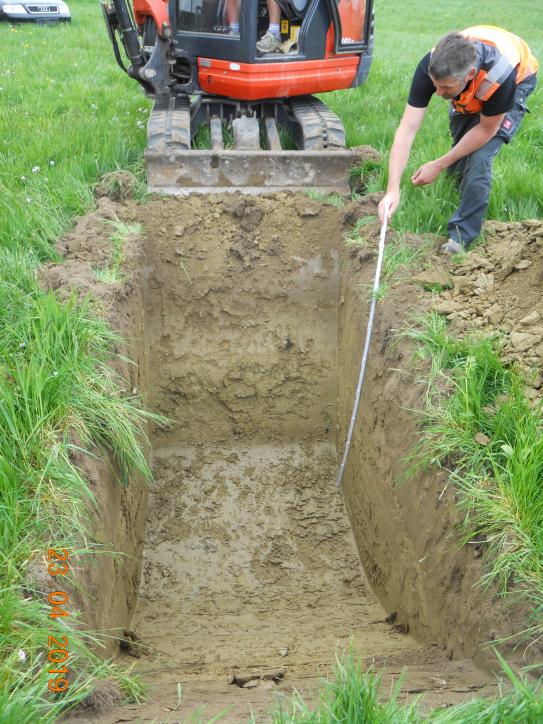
[209,16]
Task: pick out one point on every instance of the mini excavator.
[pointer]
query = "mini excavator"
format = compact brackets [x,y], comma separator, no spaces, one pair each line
[263,127]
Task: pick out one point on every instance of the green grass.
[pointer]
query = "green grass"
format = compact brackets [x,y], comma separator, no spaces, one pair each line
[324,197]
[366,178]
[71,115]
[490,437]
[202,138]
[56,387]
[400,256]
[354,696]
[111,273]
[356,236]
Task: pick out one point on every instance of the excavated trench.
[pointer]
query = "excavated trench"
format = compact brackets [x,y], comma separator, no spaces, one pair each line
[249,317]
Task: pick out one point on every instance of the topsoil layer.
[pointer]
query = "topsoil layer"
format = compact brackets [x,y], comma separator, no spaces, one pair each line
[247,318]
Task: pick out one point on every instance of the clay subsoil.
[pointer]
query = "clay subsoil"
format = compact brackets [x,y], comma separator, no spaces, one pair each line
[246,318]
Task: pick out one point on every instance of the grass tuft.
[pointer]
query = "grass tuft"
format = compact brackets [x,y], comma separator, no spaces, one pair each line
[479,425]
[111,274]
[366,178]
[57,394]
[399,258]
[355,696]
[328,199]
[352,696]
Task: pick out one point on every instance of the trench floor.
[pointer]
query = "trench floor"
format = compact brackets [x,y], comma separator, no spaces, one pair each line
[250,568]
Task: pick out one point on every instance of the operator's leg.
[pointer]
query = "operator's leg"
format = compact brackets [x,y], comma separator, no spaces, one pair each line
[233,16]
[271,39]
[474,172]
[274,12]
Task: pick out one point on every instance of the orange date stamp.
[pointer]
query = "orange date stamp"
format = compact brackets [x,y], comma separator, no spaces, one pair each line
[58,654]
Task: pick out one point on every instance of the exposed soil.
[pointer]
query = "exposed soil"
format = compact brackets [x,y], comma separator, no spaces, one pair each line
[498,290]
[247,318]
[405,529]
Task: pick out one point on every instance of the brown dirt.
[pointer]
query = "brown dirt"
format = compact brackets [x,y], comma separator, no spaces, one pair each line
[498,291]
[247,317]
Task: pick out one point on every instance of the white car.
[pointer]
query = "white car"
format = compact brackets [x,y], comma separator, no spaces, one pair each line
[38,12]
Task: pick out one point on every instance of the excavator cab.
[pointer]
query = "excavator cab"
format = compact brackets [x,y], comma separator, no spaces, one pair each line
[199,60]
[294,10]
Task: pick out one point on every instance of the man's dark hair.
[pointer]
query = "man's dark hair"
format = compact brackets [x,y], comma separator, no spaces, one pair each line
[454,56]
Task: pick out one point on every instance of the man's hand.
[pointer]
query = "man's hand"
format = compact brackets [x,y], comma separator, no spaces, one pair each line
[393,199]
[427,173]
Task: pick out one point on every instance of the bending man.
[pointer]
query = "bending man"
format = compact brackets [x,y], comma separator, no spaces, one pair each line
[487,73]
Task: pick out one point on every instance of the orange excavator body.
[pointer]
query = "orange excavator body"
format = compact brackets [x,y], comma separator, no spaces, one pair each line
[251,82]
[331,63]
[156,9]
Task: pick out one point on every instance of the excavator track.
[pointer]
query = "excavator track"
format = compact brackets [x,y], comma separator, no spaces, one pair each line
[320,127]
[309,122]
[174,167]
[169,124]
[333,127]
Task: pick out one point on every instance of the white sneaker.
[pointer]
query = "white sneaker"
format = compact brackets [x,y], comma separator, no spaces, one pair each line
[268,43]
[452,247]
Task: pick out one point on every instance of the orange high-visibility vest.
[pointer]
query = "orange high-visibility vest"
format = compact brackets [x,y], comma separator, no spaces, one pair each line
[498,52]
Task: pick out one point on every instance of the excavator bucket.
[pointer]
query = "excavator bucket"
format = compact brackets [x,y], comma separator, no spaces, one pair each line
[294,144]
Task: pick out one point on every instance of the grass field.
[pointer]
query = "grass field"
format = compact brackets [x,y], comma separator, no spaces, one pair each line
[71,116]
[68,115]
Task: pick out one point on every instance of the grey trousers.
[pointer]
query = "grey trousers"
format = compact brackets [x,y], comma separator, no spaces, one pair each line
[473,173]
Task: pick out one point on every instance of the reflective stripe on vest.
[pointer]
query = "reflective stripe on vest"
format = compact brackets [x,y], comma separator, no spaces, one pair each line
[514,48]
[494,78]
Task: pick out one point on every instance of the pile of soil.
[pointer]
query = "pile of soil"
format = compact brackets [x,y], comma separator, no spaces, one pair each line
[497,291]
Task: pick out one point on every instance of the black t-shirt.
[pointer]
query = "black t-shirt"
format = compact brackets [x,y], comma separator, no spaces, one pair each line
[422,89]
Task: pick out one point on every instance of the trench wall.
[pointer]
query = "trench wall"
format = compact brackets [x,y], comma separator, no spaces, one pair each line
[405,528]
[241,329]
[112,582]
[108,584]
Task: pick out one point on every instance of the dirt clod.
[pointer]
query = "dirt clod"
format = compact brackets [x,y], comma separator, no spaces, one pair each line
[105,697]
[434,279]
[132,644]
[117,186]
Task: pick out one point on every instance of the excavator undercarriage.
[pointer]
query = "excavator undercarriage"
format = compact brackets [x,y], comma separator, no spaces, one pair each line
[269,145]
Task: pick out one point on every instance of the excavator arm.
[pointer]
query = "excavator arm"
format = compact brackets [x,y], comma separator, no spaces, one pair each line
[153,72]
